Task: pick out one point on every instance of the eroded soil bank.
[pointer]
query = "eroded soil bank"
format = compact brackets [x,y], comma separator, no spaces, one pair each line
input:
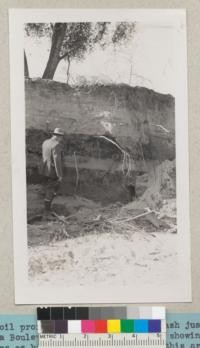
[95,168]
[96,235]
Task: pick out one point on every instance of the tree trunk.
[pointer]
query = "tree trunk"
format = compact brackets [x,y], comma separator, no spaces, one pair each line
[26,71]
[54,56]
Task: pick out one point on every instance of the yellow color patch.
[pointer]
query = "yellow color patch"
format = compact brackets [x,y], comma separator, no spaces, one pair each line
[113,326]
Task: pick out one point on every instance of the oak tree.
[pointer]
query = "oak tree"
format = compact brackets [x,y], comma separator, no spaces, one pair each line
[71,41]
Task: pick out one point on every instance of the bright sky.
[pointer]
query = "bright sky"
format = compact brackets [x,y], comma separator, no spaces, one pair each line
[148,60]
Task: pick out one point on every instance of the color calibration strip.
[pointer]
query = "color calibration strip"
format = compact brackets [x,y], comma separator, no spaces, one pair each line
[103,313]
[100,327]
[109,326]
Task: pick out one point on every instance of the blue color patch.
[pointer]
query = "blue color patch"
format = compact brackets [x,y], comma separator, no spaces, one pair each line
[154,326]
[140,326]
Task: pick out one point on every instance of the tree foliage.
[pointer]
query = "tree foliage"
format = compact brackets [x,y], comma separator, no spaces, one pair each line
[71,41]
[77,40]
[123,32]
[38,29]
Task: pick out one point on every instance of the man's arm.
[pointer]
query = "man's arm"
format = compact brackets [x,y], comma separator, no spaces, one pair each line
[56,152]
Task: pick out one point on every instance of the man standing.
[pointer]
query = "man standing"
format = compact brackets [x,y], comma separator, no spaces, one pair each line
[52,170]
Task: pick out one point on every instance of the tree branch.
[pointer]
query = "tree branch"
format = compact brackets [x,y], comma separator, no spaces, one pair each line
[65,55]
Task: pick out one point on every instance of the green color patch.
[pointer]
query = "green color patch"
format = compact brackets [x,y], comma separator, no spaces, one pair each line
[127,326]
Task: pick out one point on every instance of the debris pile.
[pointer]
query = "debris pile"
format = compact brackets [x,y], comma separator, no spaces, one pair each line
[75,216]
[113,245]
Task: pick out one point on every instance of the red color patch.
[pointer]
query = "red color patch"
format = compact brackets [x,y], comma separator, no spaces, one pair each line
[101,326]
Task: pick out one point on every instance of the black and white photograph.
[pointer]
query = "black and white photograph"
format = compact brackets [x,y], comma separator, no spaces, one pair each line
[100,156]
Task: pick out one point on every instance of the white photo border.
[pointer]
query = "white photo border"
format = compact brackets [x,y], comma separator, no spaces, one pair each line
[29,294]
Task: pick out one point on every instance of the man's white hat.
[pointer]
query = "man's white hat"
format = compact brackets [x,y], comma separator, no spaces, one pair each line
[58,131]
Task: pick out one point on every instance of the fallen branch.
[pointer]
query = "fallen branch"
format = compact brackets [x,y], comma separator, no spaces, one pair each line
[134,217]
[63,219]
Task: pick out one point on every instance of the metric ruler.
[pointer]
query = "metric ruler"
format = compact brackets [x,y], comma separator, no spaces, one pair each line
[141,340]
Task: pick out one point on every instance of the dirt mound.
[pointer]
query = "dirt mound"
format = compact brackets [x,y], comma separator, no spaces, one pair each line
[161,185]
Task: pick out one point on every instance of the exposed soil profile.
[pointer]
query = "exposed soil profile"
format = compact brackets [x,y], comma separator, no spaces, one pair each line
[116,137]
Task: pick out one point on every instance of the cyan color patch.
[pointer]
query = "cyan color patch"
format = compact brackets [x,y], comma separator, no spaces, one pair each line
[140,326]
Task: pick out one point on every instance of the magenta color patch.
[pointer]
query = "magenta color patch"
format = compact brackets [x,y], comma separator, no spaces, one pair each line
[87,326]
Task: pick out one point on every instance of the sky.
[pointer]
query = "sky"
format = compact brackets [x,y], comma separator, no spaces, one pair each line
[149,60]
